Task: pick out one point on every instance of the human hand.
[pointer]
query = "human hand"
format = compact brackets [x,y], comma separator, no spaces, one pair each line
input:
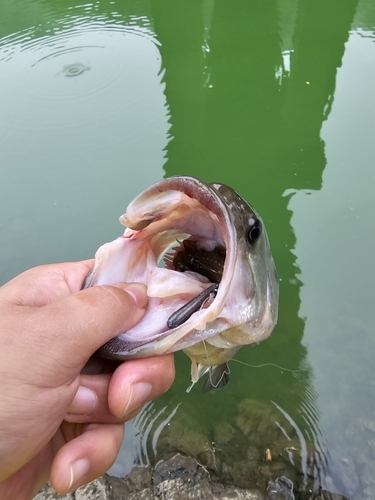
[56,422]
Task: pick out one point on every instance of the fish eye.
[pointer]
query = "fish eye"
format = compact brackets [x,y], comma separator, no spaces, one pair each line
[255,229]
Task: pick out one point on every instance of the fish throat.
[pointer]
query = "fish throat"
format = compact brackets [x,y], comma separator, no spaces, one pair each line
[208,263]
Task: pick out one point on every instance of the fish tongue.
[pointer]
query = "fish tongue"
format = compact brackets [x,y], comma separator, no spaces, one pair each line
[165,283]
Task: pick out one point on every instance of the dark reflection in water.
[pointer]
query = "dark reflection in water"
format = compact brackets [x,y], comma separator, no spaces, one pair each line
[366,16]
[247,120]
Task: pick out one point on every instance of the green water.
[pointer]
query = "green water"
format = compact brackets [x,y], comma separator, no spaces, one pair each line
[275,98]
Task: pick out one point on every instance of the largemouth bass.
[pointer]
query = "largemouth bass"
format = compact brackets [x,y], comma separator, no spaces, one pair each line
[204,255]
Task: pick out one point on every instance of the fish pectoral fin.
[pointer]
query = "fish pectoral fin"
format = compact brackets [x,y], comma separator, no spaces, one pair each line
[218,378]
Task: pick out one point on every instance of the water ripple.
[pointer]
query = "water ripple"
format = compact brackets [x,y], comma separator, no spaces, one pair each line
[312,462]
[87,70]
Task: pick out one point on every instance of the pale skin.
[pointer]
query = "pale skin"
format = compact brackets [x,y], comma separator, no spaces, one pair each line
[62,411]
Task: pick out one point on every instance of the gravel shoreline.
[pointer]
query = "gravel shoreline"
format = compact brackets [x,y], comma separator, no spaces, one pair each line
[180,478]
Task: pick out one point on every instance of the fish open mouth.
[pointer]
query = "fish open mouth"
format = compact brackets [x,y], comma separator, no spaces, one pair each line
[210,277]
[187,256]
[182,247]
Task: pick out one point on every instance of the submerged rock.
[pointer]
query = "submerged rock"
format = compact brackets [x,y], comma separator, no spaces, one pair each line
[255,454]
[248,449]
[280,489]
[179,478]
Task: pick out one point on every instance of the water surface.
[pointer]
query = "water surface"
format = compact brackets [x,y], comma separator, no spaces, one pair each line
[100,100]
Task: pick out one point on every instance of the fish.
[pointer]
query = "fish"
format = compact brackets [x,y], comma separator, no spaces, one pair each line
[204,255]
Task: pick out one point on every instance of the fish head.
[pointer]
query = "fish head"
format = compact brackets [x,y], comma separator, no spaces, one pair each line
[203,226]
[251,282]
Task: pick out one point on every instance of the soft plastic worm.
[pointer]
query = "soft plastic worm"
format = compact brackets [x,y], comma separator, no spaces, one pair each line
[183,314]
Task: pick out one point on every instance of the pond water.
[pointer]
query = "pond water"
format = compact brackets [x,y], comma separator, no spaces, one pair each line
[275,98]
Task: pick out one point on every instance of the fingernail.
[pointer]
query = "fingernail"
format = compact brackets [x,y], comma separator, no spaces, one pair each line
[84,402]
[139,393]
[78,470]
[139,294]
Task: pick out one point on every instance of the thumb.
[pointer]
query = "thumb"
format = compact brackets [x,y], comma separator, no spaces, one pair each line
[76,326]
